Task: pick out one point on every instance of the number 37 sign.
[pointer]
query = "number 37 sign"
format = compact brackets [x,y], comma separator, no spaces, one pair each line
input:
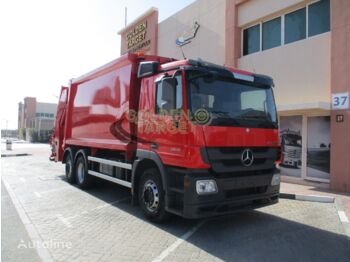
[340,100]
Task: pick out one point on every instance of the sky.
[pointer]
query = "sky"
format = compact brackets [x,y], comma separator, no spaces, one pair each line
[44,43]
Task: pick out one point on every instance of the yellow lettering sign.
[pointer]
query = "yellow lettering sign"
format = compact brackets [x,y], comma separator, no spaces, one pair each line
[136,35]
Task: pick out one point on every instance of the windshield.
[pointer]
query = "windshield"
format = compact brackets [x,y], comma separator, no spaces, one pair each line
[291,140]
[231,102]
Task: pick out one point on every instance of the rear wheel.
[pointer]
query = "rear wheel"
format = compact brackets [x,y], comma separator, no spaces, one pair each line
[151,196]
[83,179]
[69,168]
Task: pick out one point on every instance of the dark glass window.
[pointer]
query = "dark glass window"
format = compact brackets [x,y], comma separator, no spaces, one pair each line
[231,103]
[319,18]
[295,26]
[166,106]
[271,33]
[251,40]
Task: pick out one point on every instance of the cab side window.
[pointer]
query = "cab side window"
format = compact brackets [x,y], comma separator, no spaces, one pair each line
[165,106]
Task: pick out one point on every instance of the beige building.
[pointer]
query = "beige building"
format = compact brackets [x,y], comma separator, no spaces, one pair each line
[36,116]
[303,44]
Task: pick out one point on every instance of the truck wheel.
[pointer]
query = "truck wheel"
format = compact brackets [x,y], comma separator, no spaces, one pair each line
[69,169]
[151,196]
[83,179]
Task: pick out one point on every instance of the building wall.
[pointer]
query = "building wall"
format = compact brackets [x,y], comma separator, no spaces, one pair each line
[29,111]
[28,115]
[340,82]
[250,11]
[209,43]
[46,108]
[301,67]
[44,124]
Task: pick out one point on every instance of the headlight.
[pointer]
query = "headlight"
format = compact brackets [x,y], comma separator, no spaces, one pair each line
[276,180]
[204,187]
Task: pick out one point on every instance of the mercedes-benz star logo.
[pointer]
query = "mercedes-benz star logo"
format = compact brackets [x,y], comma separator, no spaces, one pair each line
[247,157]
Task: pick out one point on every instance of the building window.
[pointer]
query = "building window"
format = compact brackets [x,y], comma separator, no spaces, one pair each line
[271,33]
[311,20]
[251,40]
[319,18]
[295,26]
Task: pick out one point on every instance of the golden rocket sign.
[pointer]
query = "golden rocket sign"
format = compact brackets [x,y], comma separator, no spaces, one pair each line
[141,34]
[137,35]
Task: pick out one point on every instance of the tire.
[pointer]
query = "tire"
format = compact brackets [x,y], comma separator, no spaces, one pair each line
[151,196]
[82,178]
[69,168]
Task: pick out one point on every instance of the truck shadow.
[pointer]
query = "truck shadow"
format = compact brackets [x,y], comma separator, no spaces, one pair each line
[247,236]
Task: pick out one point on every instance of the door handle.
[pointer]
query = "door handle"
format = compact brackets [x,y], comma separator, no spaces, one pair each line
[154,145]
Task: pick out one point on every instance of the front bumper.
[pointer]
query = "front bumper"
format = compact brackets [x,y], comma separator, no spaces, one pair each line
[234,194]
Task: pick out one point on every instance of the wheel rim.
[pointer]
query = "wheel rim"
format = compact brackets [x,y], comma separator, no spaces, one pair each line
[80,172]
[150,196]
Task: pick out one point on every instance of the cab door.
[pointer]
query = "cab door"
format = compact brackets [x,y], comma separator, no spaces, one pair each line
[165,126]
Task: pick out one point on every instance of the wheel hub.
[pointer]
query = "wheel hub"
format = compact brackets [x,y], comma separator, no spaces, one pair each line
[151,196]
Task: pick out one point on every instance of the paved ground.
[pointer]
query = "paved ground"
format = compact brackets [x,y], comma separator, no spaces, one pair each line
[13,233]
[100,224]
[343,198]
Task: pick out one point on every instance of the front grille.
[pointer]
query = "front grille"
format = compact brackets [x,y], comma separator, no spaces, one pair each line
[294,153]
[228,159]
[244,173]
[245,191]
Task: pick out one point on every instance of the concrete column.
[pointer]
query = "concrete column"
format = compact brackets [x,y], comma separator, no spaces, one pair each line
[232,33]
[340,82]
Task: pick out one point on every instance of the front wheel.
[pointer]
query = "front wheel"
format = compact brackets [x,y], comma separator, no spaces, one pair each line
[151,196]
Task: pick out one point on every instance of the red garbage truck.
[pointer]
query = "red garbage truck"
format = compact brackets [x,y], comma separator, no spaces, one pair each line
[187,137]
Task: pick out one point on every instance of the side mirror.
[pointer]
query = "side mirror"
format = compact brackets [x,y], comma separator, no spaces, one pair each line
[148,68]
[168,87]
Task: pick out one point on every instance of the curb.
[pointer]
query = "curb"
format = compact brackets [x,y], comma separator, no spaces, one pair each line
[311,198]
[13,155]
